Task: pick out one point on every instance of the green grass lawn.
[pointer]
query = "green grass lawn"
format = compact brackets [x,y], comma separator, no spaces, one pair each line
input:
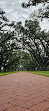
[6,73]
[43,73]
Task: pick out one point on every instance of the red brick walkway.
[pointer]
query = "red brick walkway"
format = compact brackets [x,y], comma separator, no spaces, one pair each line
[24,92]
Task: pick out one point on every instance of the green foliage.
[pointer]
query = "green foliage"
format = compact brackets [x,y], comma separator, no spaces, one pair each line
[8,45]
[26,45]
[36,42]
[33,3]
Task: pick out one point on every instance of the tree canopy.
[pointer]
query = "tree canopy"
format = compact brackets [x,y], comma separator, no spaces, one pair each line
[26,45]
[8,45]
[36,42]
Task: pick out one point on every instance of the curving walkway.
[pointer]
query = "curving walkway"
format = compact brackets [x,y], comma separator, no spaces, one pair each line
[24,92]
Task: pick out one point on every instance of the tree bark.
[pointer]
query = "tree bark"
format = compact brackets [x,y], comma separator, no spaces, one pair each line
[0,69]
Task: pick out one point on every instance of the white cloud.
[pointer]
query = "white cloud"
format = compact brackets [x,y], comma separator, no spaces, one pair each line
[44,24]
[15,12]
[13,9]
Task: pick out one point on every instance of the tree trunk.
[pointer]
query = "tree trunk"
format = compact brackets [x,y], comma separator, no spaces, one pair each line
[0,69]
[4,68]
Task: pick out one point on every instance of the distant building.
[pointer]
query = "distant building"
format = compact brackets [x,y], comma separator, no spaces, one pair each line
[21,68]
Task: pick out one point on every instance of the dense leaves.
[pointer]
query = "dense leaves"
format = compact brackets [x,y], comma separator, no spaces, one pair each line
[23,45]
[36,42]
[8,45]
[33,3]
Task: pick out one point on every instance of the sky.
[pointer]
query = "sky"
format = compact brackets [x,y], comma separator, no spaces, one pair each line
[15,12]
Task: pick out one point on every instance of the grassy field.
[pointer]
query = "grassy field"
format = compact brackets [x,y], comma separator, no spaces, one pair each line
[6,73]
[43,73]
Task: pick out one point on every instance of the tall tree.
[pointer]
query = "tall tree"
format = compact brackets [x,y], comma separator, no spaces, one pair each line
[35,41]
[8,44]
[41,38]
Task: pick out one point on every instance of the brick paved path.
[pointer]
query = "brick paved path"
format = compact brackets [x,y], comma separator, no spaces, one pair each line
[24,92]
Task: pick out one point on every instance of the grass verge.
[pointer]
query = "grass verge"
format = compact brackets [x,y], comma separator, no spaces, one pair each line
[6,73]
[43,73]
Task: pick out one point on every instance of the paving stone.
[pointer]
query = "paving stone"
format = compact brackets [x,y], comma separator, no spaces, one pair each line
[23,91]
